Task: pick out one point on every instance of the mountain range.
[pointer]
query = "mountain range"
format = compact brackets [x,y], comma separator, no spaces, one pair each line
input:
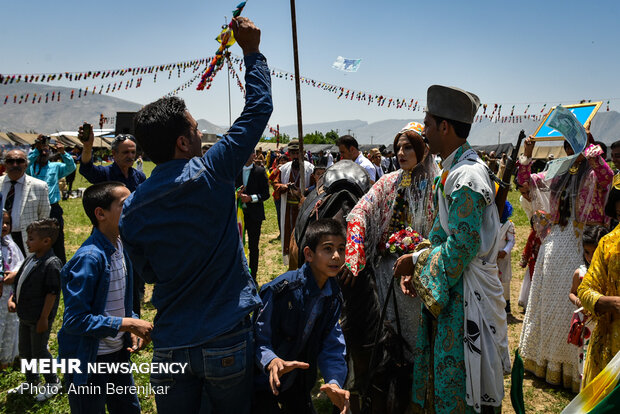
[605,127]
[69,113]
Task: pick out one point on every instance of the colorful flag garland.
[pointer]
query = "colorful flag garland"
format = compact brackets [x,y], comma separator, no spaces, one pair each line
[226,40]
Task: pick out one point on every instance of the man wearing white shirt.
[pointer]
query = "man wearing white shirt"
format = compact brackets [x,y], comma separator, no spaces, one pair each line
[23,196]
[349,150]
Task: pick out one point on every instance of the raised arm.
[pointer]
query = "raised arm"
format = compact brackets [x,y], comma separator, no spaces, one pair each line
[228,155]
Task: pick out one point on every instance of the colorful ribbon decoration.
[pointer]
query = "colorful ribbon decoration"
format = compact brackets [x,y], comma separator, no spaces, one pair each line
[226,40]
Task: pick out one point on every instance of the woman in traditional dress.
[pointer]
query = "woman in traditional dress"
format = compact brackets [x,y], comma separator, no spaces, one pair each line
[396,201]
[599,293]
[573,192]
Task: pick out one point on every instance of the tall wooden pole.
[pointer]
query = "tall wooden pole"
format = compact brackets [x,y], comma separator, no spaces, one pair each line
[302,175]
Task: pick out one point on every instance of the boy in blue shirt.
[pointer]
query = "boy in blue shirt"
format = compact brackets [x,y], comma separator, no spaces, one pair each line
[98,324]
[298,329]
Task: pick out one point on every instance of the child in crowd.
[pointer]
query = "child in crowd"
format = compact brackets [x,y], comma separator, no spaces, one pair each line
[298,329]
[35,298]
[97,289]
[506,243]
[12,259]
[591,236]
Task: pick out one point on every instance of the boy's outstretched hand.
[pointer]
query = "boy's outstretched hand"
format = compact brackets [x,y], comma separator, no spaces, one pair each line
[278,367]
[338,396]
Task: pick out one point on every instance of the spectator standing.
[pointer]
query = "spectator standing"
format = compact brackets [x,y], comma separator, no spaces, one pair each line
[575,198]
[204,292]
[254,190]
[506,242]
[24,197]
[75,154]
[121,170]
[35,299]
[287,185]
[40,167]
[374,155]
[349,150]
[273,177]
[330,159]
[98,324]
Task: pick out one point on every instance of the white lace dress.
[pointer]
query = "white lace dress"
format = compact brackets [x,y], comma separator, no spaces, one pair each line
[547,320]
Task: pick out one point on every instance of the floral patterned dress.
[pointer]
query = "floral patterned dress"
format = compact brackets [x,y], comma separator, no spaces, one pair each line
[602,279]
[397,200]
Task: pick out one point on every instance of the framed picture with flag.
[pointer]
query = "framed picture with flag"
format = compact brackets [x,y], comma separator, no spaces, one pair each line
[583,112]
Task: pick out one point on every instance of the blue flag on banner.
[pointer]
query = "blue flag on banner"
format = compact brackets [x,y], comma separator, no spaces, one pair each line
[347,65]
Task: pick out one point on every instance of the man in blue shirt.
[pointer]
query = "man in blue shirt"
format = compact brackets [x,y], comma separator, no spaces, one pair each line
[180,230]
[121,170]
[50,172]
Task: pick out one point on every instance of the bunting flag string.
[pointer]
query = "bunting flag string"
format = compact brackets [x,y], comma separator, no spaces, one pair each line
[491,112]
[54,96]
[226,39]
[234,74]
[518,112]
[184,86]
[179,67]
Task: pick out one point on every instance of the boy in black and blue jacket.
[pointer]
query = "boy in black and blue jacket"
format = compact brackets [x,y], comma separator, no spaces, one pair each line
[297,329]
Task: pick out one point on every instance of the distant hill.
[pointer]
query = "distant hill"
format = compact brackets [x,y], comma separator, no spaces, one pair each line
[65,115]
[605,128]
[206,126]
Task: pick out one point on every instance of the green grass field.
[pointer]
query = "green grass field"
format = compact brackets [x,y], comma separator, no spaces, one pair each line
[539,396]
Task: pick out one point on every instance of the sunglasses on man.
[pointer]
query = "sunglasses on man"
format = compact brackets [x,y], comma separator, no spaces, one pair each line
[14,161]
[122,137]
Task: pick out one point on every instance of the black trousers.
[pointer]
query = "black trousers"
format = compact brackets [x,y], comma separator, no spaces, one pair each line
[252,229]
[17,238]
[59,247]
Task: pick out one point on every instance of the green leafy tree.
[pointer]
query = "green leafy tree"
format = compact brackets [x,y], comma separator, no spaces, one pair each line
[284,139]
[315,138]
[331,137]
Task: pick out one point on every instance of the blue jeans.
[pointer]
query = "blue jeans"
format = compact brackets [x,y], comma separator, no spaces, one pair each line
[217,379]
[122,402]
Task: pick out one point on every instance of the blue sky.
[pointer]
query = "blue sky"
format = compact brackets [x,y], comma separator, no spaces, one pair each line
[506,52]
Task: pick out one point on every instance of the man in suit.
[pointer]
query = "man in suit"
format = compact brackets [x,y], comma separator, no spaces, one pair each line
[24,197]
[254,190]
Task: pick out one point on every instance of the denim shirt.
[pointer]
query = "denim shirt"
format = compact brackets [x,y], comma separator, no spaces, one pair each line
[100,173]
[50,172]
[299,321]
[85,281]
[180,229]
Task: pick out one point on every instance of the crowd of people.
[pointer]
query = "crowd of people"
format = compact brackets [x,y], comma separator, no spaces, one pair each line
[259,349]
